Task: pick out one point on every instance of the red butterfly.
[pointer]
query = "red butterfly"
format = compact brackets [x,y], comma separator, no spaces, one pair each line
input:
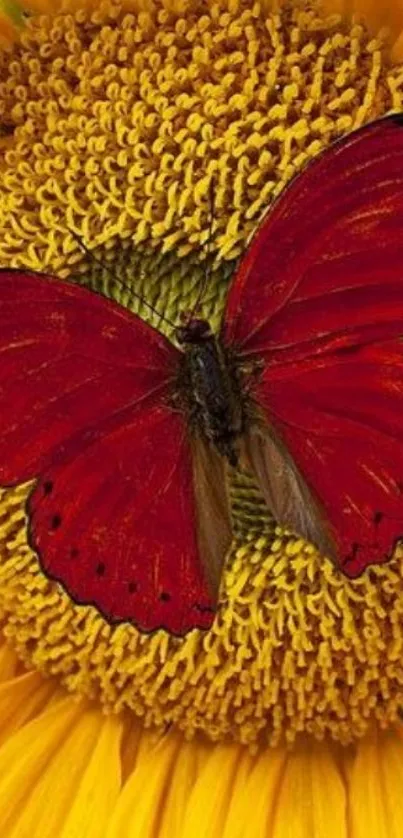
[128,436]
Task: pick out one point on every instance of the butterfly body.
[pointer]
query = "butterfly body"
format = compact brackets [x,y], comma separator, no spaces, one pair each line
[211,388]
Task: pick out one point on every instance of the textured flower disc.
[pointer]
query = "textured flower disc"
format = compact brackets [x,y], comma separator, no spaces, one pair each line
[121,123]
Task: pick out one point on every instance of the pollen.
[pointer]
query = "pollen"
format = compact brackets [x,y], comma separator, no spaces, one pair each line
[141,135]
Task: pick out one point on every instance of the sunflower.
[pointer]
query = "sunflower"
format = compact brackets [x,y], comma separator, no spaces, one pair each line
[283,719]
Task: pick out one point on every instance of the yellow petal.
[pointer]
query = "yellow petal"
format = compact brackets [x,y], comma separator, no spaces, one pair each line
[211,795]
[255,795]
[98,788]
[20,699]
[59,775]
[376,783]
[311,800]
[181,783]
[24,757]
[138,810]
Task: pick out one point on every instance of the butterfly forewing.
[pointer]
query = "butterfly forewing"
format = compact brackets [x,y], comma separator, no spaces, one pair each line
[69,359]
[327,254]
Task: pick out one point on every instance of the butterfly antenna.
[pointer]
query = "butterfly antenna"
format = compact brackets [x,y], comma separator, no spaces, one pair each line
[124,285]
[205,281]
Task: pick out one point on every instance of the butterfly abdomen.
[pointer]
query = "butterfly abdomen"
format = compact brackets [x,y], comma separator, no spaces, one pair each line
[211,391]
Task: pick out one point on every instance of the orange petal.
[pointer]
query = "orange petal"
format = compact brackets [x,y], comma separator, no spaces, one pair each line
[376,782]
[311,800]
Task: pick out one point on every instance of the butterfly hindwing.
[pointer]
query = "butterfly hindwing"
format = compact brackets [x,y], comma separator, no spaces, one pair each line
[319,299]
[213,511]
[284,488]
[346,437]
[114,519]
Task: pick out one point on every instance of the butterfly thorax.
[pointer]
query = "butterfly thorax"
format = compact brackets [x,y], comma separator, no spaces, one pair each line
[210,388]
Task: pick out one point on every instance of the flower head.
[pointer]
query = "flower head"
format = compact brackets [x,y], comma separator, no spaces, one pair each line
[115,123]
